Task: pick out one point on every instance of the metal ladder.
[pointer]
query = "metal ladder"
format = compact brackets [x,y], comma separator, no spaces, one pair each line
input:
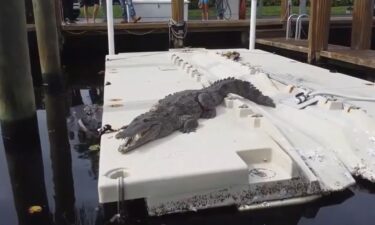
[298,30]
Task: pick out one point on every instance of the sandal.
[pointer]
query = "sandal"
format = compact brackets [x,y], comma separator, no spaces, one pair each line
[137,19]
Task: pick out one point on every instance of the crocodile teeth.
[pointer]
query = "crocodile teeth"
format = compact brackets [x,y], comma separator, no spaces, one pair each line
[128,140]
[137,136]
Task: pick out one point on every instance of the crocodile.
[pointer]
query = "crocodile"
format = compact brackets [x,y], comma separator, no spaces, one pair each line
[181,111]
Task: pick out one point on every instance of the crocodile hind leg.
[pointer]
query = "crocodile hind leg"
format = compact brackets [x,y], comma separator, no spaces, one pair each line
[208,105]
[189,124]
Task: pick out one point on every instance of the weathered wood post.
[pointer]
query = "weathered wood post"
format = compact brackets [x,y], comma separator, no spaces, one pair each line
[59,20]
[284,12]
[26,172]
[29,12]
[19,125]
[61,159]
[362,24]
[178,23]
[48,44]
[320,11]
[16,87]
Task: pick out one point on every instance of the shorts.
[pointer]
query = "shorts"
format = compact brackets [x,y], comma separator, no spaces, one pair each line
[204,2]
[90,2]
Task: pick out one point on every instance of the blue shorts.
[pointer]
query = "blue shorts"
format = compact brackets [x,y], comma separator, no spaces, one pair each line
[203,1]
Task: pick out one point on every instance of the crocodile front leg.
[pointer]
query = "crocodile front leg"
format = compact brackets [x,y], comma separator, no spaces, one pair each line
[188,124]
[208,105]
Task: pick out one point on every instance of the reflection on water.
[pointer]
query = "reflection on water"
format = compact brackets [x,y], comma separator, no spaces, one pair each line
[50,162]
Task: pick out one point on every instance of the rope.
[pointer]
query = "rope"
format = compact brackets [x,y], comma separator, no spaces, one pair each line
[119,216]
[175,30]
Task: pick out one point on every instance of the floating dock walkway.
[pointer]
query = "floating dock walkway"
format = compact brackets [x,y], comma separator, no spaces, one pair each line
[319,137]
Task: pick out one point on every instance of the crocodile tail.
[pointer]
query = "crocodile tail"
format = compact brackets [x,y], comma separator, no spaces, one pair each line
[244,89]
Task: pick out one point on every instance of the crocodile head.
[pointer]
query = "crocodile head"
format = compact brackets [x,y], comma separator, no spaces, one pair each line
[141,130]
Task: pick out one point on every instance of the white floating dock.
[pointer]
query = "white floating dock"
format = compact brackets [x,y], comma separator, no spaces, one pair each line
[248,155]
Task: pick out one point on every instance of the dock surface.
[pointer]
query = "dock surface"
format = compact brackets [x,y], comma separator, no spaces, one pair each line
[221,162]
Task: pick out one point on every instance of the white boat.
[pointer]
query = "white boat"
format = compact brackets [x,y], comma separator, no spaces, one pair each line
[157,10]
[319,137]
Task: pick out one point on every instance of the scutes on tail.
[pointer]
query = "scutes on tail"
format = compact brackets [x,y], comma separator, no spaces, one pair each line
[181,111]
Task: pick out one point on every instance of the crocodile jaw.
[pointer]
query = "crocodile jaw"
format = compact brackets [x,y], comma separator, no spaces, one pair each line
[131,142]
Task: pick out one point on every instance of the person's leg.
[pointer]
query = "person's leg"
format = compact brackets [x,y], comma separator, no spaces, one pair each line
[103,3]
[65,7]
[132,12]
[124,11]
[201,5]
[85,12]
[96,9]
[205,6]
[70,10]
[220,9]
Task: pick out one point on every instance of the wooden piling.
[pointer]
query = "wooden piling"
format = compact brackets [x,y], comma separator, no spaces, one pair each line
[48,45]
[16,87]
[362,24]
[178,18]
[26,172]
[178,11]
[61,159]
[59,21]
[320,11]
[29,11]
[284,12]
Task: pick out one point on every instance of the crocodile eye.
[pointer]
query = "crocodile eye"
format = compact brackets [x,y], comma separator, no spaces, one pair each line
[146,120]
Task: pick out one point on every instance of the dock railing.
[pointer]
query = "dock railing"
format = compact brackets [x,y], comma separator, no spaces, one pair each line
[299,26]
[253,24]
[110,28]
[289,26]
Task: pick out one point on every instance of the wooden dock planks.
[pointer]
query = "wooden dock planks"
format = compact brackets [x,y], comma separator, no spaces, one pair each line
[364,58]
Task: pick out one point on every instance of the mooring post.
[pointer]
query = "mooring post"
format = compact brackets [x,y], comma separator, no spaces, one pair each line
[29,12]
[48,45]
[320,11]
[362,24]
[19,126]
[26,172]
[284,12]
[178,23]
[16,87]
[59,20]
[110,28]
[61,159]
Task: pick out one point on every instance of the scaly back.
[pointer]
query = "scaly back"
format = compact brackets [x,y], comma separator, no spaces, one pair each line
[241,88]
